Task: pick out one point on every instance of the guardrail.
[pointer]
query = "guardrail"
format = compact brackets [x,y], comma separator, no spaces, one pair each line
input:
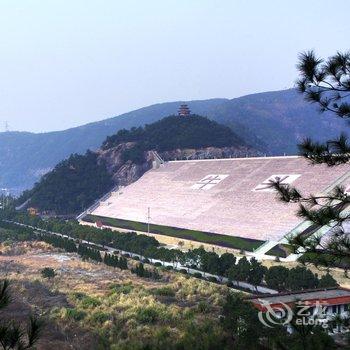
[98,202]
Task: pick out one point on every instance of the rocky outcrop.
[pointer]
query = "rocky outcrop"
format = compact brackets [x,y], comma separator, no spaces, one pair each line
[130,172]
[124,173]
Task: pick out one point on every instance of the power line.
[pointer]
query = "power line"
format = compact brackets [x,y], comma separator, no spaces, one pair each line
[6,126]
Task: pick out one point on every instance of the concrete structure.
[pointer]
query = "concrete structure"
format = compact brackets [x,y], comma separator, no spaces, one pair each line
[225,196]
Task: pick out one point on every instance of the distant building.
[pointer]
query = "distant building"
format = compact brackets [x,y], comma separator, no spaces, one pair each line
[325,304]
[32,211]
[184,111]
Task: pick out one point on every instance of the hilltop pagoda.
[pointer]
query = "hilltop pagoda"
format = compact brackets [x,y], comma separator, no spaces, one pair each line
[184,111]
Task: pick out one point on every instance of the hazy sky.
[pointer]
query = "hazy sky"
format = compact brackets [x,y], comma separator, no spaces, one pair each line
[64,63]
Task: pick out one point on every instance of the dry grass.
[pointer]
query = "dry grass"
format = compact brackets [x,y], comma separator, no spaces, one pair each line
[91,301]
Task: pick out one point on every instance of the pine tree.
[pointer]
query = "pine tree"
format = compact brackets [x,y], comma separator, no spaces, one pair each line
[106,259]
[276,277]
[123,263]
[257,272]
[327,281]
[114,261]
[326,83]
[13,335]
[155,274]
[110,260]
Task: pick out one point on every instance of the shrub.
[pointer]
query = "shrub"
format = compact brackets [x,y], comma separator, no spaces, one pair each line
[164,291]
[155,274]
[197,275]
[140,270]
[327,281]
[122,288]
[48,272]
[157,263]
[75,314]
[79,295]
[123,263]
[184,271]
[88,302]
[203,307]
[100,317]
[212,279]
[147,315]
[229,284]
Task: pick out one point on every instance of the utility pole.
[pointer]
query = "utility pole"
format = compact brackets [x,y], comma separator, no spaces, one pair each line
[148,218]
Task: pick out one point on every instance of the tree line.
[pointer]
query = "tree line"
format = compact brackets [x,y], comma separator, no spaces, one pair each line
[225,265]
[114,261]
[88,253]
[141,271]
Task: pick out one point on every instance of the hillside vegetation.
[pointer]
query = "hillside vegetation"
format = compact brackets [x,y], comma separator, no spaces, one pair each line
[177,132]
[71,186]
[172,133]
[75,183]
[91,305]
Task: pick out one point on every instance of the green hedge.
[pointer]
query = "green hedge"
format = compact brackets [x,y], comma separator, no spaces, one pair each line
[181,233]
[280,250]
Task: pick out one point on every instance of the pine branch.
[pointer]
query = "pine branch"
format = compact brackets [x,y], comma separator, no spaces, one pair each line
[5,297]
[327,84]
[334,152]
[324,83]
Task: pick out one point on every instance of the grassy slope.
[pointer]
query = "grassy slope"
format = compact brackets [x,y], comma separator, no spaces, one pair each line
[199,236]
[108,307]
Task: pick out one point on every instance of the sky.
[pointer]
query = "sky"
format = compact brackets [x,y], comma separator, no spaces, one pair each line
[66,63]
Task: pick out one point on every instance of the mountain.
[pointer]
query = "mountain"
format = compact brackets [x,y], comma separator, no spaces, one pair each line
[272,122]
[75,183]
[279,119]
[25,157]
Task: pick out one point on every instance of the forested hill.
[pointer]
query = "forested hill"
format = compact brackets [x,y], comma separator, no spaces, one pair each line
[177,132]
[75,183]
[71,186]
[272,122]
